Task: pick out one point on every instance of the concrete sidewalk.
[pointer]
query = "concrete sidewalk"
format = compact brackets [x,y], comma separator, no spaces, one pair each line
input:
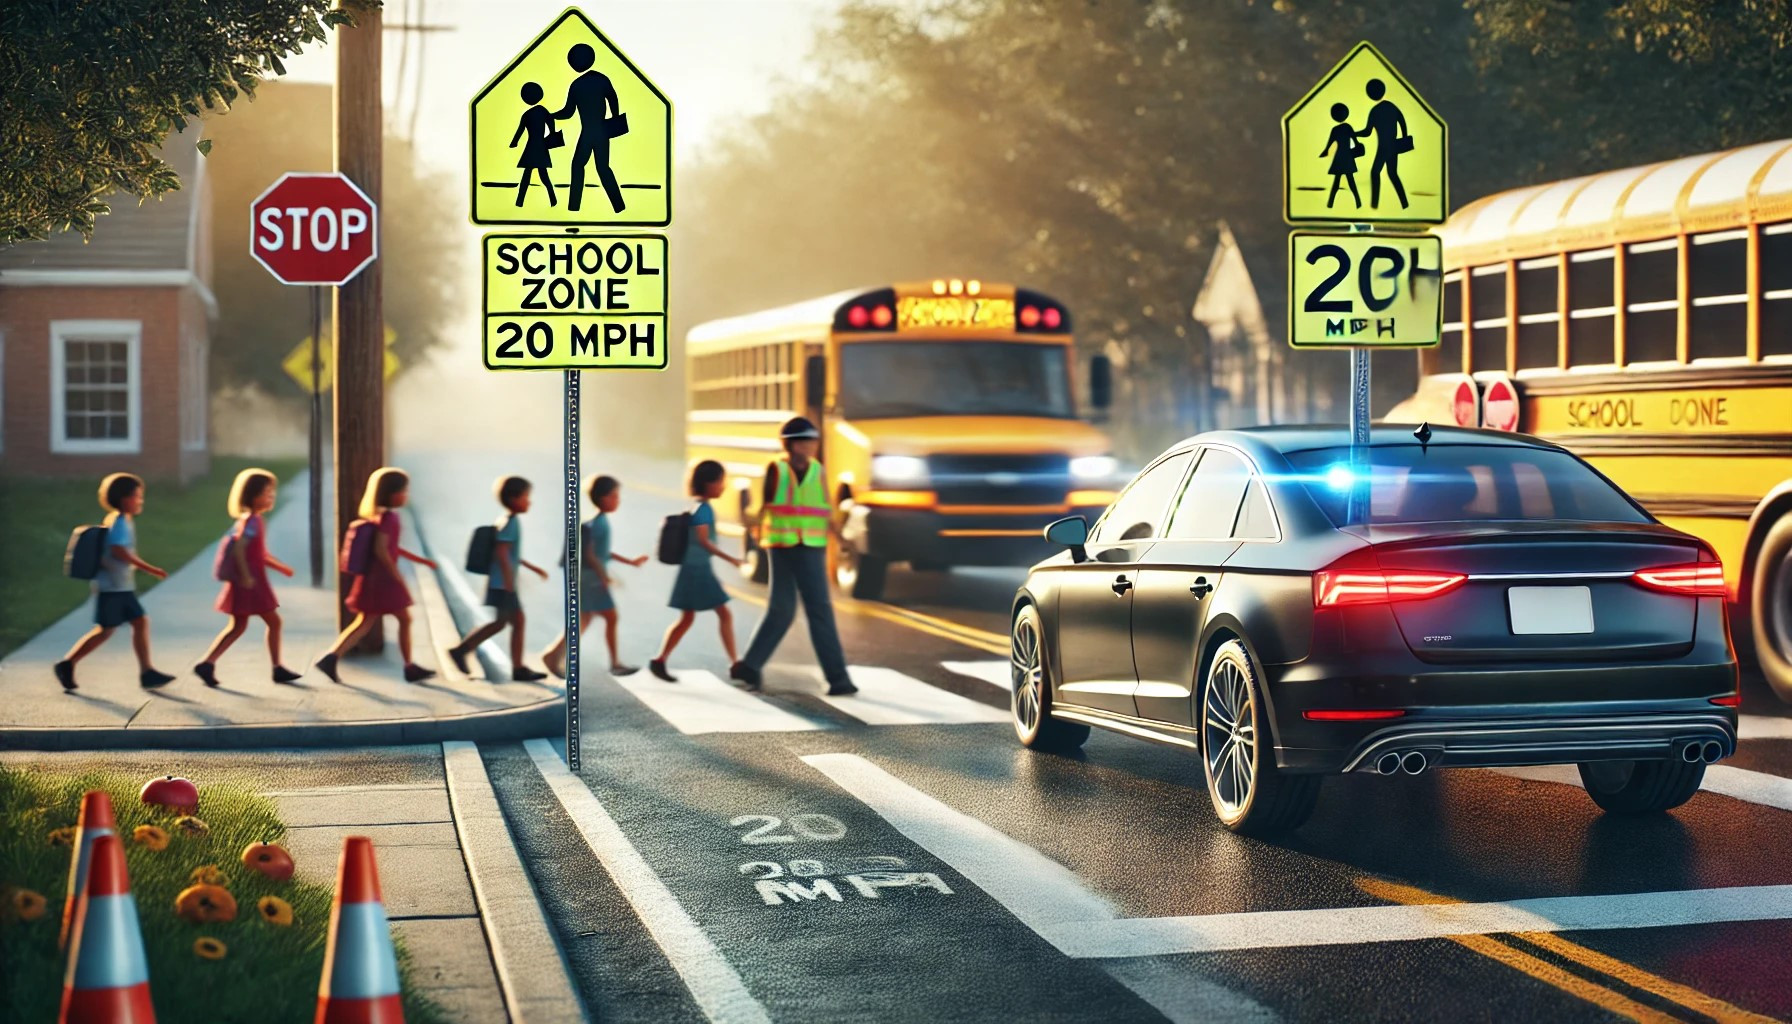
[373,705]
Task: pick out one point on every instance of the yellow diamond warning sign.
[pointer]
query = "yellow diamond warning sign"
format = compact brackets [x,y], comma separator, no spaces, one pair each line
[1363,148]
[575,302]
[571,132]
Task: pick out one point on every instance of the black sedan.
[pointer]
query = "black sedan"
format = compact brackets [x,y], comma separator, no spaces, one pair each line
[1485,599]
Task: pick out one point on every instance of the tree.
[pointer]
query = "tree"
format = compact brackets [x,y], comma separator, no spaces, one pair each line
[90,90]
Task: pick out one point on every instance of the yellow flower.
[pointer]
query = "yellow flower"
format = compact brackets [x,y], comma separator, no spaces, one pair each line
[150,836]
[62,836]
[209,949]
[275,910]
[206,874]
[191,825]
[27,904]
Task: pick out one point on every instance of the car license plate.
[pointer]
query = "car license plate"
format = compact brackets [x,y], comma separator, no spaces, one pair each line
[1541,610]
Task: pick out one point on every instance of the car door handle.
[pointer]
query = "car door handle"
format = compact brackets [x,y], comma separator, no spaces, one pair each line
[1200,588]
[1121,586]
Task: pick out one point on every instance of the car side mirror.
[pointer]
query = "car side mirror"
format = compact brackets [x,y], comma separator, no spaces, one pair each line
[1072,533]
[815,381]
[1101,382]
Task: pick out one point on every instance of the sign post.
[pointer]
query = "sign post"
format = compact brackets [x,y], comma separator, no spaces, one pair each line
[569,110]
[315,231]
[1363,288]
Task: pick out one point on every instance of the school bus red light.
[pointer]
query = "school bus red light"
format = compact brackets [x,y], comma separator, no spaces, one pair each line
[857,316]
[1051,318]
[880,317]
[1029,316]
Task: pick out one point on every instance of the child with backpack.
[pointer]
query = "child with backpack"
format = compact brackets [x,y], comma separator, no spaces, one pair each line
[379,587]
[114,576]
[696,589]
[243,563]
[500,589]
[595,557]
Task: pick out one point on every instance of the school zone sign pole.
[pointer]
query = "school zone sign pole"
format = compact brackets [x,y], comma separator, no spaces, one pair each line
[569,110]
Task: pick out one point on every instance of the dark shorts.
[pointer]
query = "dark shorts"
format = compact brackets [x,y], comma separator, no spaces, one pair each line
[114,608]
[504,601]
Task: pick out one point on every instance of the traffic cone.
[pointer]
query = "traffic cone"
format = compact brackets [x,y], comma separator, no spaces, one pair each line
[96,820]
[360,982]
[108,975]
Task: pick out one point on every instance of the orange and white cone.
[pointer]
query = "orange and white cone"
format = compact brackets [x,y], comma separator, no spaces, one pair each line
[108,975]
[96,820]
[360,982]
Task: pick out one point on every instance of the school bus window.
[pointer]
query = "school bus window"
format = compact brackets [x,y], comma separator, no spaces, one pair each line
[1591,316]
[1487,314]
[1776,290]
[1447,357]
[1538,333]
[1651,302]
[1718,279]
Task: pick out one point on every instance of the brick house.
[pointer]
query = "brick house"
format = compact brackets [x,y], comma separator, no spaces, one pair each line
[104,344]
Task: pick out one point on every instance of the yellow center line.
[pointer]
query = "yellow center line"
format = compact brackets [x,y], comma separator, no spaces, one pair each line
[1629,974]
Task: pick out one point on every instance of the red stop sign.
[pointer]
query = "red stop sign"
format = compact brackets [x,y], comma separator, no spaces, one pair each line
[1465,404]
[1499,405]
[314,229]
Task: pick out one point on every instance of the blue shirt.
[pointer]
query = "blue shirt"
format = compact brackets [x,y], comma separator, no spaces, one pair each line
[115,575]
[704,515]
[509,532]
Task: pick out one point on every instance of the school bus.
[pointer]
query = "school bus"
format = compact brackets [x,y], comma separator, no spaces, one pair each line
[1643,319]
[948,415]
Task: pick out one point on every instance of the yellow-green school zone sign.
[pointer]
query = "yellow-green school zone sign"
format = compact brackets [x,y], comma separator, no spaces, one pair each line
[1364,289]
[575,302]
[1363,148]
[571,133]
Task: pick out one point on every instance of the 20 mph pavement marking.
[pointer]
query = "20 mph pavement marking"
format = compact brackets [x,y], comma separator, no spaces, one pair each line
[713,983]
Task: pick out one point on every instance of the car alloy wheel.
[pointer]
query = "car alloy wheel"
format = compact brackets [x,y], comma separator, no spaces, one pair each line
[1249,793]
[1030,690]
[1228,724]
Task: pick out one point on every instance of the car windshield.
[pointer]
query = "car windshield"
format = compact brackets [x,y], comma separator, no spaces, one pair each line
[883,379]
[1455,483]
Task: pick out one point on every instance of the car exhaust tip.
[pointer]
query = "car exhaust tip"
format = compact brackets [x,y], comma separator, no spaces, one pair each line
[1711,752]
[1413,763]
[1388,763]
[1690,753]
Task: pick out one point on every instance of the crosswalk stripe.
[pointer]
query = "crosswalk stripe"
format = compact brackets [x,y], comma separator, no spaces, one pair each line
[1764,727]
[888,697]
[1738,783]
[700,702]
[995,673]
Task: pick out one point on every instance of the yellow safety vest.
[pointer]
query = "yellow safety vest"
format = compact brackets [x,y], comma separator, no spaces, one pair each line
[798,516]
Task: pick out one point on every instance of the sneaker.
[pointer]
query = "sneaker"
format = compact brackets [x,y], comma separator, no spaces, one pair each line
[842,689]
[65,674]
[745,674]
[619,670]
[414,673]
[282,674]
[658,668]
[207,673]
[151,679]
[458,655]
[525,674]
[327,665]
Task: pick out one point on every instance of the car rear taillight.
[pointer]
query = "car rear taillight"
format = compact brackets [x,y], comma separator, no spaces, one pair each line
[1352,714]
[1693,579]
[1333,587]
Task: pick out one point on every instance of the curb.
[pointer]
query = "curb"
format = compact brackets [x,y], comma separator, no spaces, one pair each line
[532,973]
[462,607]
[544,718]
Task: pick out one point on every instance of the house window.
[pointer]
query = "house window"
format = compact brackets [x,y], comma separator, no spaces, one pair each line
[95,386]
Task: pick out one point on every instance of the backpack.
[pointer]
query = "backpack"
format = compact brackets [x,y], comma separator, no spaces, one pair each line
[480,549]
[675,538]
[86,546]
[224,562]
[357,547]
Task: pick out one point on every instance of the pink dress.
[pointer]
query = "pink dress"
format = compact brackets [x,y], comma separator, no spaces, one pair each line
[379,591]
[236,599]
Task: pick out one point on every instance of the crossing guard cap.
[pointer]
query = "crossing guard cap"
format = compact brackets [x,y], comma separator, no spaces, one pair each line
[797,428]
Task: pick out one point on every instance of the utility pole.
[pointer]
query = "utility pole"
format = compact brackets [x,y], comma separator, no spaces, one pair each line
[359,336]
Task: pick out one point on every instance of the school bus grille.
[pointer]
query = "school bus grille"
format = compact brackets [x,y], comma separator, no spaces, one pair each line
[1000,479]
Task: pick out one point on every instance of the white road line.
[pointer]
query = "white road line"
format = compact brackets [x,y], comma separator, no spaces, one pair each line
[1737,783]
[995,673]
[713,983]
[887,697]
[1764,727]
[700,702]
[1268,929]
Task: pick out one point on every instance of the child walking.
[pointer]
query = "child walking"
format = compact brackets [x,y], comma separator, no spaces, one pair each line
[500,588]
[381,590]
[247,592]
[697,589]
[115,588]
[595,557]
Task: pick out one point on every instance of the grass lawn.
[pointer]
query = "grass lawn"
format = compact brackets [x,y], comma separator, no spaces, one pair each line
[269,974]
[37,516]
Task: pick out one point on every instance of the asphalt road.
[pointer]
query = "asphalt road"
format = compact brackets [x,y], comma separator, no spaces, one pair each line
[896,856]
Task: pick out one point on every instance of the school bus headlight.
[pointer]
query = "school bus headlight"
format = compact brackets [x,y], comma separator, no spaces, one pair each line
[1094,467]
[898,471]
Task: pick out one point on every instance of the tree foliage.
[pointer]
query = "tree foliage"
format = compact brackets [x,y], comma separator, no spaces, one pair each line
[89,91]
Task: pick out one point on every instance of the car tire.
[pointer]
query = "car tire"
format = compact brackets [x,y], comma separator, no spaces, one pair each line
[1641,787]
[861,575]
[1770,608]
[1249,794]
[1030,690]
